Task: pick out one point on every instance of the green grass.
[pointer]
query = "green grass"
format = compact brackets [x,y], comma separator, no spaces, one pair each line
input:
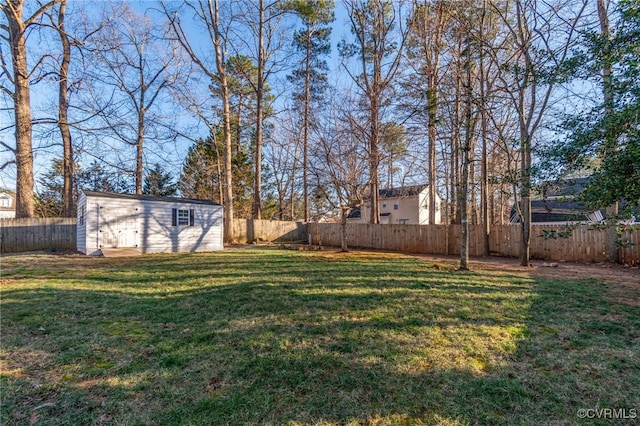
[267,336]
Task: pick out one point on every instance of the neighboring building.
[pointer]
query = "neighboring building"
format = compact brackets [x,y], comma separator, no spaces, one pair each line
[7,205]
[408,205]
[149,223]
[558,205]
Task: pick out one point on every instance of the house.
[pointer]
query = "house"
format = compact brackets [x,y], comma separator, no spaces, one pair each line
[7,205]
[149,223]
[558,204]
[407,205]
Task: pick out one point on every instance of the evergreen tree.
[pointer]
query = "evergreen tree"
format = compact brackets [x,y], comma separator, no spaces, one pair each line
[98,178]
[48,197]
[202,175]
[159,182]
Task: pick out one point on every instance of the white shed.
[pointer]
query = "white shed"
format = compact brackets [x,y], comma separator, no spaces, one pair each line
[149,223]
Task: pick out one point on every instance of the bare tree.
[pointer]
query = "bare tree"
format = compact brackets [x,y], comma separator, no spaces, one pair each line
[428,25]
[208,15]
[63,114]
[136,66]
[263,20]
[339,160]
[380,39]
[282,155]
[543,37]
[18,88]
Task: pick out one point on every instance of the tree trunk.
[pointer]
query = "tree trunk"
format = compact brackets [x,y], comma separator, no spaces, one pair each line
[611,245]
[343,229]
[484,184]
[432,45]
[525,206]
[373,162]
[63,121]
[456,144]
[432,134]
[22,109]
[305,147]
[257,187]
[466,164]
[226,129]
[140,146]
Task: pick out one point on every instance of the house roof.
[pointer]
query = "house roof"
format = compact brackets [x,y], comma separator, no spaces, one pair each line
[148,198]
[403,191]
[558,206]
[556,210]
[565,187]
[355,213]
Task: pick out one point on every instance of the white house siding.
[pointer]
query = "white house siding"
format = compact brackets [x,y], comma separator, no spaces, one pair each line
[412,210]
[7,214]
[424,211]
[7,206]
[148,225]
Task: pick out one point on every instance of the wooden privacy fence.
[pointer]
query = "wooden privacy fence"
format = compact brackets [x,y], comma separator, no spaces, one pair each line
[248,230]
[17,235]
[581,243]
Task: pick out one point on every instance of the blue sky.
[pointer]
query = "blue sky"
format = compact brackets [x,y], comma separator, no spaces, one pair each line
[43,96]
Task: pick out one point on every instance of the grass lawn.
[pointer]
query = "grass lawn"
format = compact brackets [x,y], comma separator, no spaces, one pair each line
[266,336]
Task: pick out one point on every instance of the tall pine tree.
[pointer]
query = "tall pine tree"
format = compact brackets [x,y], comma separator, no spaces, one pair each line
[313,41]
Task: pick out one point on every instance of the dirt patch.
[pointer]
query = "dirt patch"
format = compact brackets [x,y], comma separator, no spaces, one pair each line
[606,272]
[623,281]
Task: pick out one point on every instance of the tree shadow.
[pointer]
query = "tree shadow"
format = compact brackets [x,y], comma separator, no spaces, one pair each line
[275,341]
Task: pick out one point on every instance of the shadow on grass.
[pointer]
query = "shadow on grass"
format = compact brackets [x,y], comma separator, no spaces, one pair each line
[272,337]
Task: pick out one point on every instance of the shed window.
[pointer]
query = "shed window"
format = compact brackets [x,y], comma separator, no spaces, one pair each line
[183,217]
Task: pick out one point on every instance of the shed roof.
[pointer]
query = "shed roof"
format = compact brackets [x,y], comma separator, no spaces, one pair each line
[148,198]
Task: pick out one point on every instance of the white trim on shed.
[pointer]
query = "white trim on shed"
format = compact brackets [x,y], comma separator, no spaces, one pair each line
[149,223]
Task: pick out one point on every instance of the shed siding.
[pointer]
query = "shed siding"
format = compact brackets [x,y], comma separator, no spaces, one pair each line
[154,232]
[81,229]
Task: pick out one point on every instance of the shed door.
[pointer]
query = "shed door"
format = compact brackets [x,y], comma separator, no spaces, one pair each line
[117,227]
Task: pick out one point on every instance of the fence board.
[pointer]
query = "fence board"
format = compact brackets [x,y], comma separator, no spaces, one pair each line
[248,230]
[630,254]
[18,235]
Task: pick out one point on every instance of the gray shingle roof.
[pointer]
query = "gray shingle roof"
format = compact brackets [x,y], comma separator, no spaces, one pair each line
[403,191]
[148,198]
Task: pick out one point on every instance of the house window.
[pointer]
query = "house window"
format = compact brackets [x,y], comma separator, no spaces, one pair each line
[384,205]
[395,205]
[183,217]
[403,221]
